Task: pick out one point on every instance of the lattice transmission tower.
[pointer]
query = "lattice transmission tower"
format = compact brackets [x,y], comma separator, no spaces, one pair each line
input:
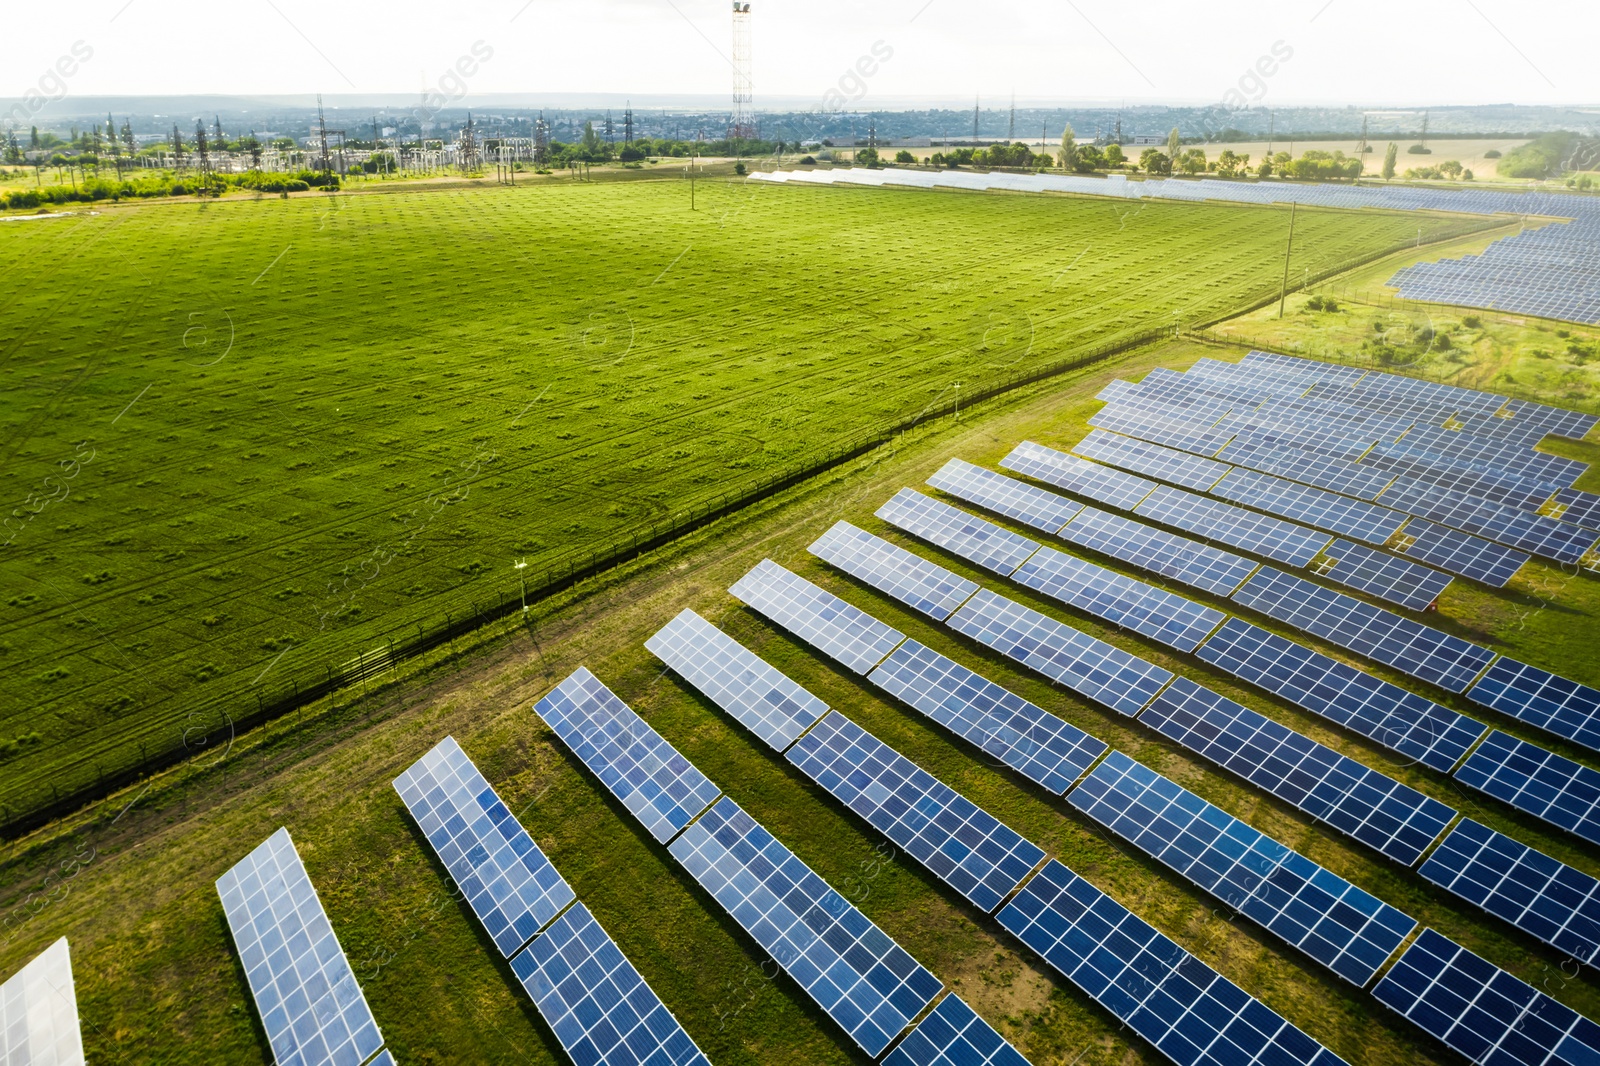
[743,124]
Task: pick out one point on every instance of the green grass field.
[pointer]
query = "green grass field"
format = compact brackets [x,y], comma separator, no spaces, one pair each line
[246,441]
[131,884]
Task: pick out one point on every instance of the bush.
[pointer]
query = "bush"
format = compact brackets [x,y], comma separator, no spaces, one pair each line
[739,168]
[1472,322]
[903,156]
[807,161]
[1536,159]
[1419,149]
[1493,153]
[631,154]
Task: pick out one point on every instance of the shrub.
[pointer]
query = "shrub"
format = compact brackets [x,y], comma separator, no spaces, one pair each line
[807,161]
[739,168]
[1493,153]
[1472,322]
[903,156]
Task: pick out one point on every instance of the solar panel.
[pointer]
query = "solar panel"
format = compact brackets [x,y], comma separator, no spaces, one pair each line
[1025,737]
[1089,667]
[954,1035]
[959,842]
[1191,1013]
[1472,1006]
[1311,506]
[1191,434]
[1541,698]
[1189,561]
[1393,819]
[1381,574]
[1579,508]
[1155,613]
[1346,929]
[856,973]
[599,1007]
[506,879]
[646,774]
[1540,782]
[1480,560]
[909,578]
[310,1004]
[1271,538]
[1541,536]
[1027,504]
[383,1059]
[39,1012]
[1271,455]
[951,528]
[1542,897]
[1383,636]
[1078,476]
[820,618]
[1152,460]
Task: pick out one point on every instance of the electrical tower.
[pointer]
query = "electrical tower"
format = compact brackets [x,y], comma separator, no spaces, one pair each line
[627,124]
[1012,136]
[976,101]
[322,138]
[742,126]
[541,141]
[1361,149]
[469,145]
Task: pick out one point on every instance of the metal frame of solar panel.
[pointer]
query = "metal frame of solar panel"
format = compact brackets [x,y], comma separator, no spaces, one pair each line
[647,775]
[1544,784]
[953,529]
[1090,667]
[1078,476]
[1472,557]
[860,977]
[1540,698]
[1123,601]
[39,1012]
[1396,581]
[1192,1014]
[1400,720]
[1410,647]
[1164,464]
[840,630]
[310,1004]
[1346,929]
[594,1000]
[1474,1007]
[1023,736]
[1259,534]
[1006,496]
[1391,818]
[1313,506]
[959,842]
[1544,898]
[953,1035]
[762,699]
[909,578]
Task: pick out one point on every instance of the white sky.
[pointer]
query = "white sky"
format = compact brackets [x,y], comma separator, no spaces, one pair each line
[1355,51]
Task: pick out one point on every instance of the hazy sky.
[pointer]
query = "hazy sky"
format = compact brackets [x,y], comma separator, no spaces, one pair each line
[1364,51]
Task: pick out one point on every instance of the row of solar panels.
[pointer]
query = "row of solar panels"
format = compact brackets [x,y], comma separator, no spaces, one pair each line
[1344,928]
[39,1012]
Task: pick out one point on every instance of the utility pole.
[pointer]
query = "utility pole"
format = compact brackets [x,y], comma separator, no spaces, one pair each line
[1283,296]
[1012,135]
[976,101]
[1272,125]
[627,124]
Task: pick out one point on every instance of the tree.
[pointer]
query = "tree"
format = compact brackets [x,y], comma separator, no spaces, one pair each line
[903,156]
[127,137]
[1114,157]
[33,137]
[1068,156]
[1231,163]
[1390,154]
[13,149]
[867,156]
[1173,141]
[1154,162]
[1192,161]
[591,140]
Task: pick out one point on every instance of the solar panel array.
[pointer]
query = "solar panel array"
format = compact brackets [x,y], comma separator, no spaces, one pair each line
[305,992]
[1479,1010]
[931,589]
[1540,698]
[1314,507]
[1188,561]
[855,972]
[1544,784]
[1542,897]
[39,1012]
[1152,460]
[819,618]
[951,528]
[1027,504]
[1123,601]
[1481,560]
[1078,476]
[1194,1015]
[962,844]
[954,1035]
[506,880]
[763,700]
[1341,926]
[646,774]
[1382,575]
[599,1007]
[1259,534]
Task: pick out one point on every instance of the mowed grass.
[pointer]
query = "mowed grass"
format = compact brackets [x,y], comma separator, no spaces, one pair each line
[158,981]
[246,441]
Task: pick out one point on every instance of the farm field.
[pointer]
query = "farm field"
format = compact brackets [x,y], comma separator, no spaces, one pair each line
[159,982]
[247,441]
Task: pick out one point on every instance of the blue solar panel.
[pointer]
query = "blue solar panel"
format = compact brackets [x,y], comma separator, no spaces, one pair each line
[820,618]
[959,842]
[1579,508]
[1542,897]
[1346,929]
[1192,434]
[1433,735]
[951,528]
[647,775]
[1270,455]
[1027,504]
[1189,561]
[506,879]
[1474,1007]
[1474,558]
[1310,506]
[909,578]
[599,1007]
[855,972]
[1540,782]
[1089,667]
[1271,538]
[1025,737]
[1152,460]
[1402,583]
[310,1004]
[1544,537]
[1155,613]
[1393,819]
[1078,476]
[1188,1011]
[1541,698]
[954,1035]
[1383,636]
[764,701]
